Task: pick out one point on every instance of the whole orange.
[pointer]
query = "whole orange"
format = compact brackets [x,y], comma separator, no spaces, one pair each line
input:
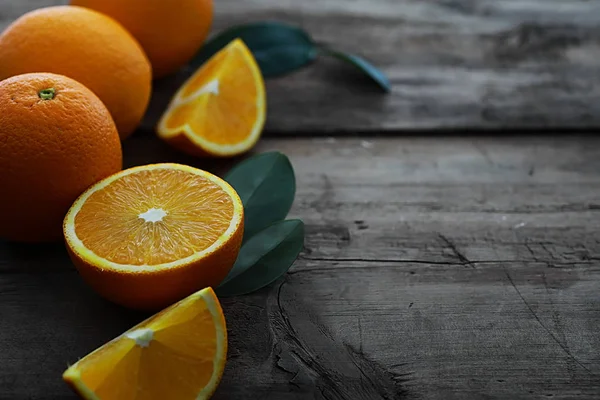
[170,32]
[56,140]
[87,46]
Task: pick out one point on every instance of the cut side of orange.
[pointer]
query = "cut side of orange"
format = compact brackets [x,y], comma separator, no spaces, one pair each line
[179,353]
[148,236]
[221,109]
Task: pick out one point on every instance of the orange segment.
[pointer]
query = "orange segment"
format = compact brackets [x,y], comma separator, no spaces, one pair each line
[179,353]
[151,235]
[220,110]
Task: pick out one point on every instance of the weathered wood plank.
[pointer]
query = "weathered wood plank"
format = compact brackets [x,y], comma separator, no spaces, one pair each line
[453,63]
[441,268]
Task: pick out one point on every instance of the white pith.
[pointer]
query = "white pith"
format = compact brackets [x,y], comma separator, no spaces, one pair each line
[153,215]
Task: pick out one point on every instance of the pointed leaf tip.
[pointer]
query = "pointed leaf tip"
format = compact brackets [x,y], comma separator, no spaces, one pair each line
[370,71]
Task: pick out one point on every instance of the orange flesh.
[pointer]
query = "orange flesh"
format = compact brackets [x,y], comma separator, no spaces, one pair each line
[209,71]
[111,225]
[177,363]
[223,117]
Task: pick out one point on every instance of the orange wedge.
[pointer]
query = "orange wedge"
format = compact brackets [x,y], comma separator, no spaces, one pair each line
[148,236]
[220,111]
[177,354]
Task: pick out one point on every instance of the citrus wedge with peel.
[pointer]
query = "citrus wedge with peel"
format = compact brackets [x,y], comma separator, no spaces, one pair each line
[220,110]
[149,236]
[179,353]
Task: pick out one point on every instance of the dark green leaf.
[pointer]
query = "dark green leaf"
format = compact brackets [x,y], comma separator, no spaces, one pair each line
[264,258]
[277,47]
[363,65]
[267,185]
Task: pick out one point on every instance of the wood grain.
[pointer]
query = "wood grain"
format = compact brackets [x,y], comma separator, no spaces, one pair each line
[454,64]
[440,268]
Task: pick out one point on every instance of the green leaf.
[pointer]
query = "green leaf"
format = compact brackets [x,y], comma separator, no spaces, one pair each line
[264,258]
[267,185]
[363,65]
[278,48]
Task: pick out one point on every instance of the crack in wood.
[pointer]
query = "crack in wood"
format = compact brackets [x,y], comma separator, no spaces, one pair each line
[533,255]
[539,321]
[550,253]
[378,260]
[332,368]
[360,368]
[360,335]
[386,262]
[558,325]
[462,258]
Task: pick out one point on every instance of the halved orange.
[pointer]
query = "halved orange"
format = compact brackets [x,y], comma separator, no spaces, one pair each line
[148,236]
[179,353]
[220,110]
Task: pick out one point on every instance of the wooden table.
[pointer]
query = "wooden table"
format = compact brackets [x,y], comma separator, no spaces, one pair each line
[437,265]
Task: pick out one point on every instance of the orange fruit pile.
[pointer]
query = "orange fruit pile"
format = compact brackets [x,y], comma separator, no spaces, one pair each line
[170,32]
[87,46]
[221,109]
[75,81]
[177,354]
[151,235]
[56,139]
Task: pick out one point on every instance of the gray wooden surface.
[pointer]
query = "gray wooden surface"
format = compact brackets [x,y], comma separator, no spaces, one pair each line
[434,268]
[453,63]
